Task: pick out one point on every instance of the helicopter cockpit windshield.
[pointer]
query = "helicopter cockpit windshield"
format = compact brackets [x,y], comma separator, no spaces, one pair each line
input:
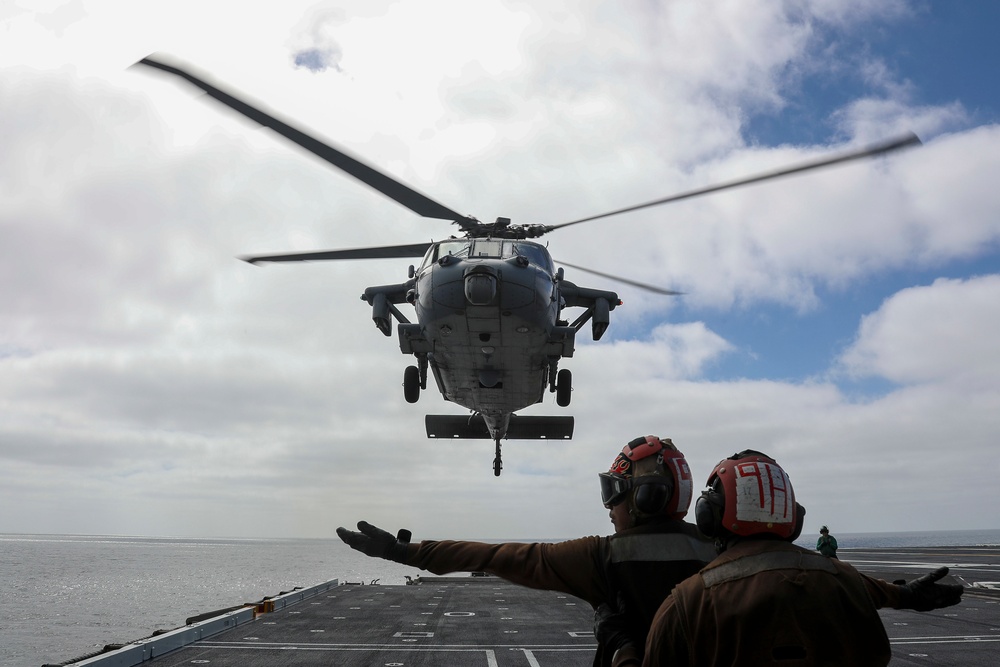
[458,249]
[489,248]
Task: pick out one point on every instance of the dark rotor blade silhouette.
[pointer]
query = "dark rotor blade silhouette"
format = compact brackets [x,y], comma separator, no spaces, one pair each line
[388,186]
[633,283]
[384,252]
[903,141]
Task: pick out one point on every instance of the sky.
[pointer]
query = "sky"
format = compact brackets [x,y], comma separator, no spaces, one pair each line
[843,321]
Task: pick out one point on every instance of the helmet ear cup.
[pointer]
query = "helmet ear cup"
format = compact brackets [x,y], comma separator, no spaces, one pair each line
[800,520]
[708,513]
[652,497]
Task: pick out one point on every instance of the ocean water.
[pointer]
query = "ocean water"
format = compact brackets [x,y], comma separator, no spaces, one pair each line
[938,538]
[68,595]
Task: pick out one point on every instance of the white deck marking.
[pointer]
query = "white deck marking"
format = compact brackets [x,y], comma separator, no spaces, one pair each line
[531,658]
[956,639]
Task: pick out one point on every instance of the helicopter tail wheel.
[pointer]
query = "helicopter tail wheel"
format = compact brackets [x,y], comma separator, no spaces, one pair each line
[497,463]
[411,384]
[564,387]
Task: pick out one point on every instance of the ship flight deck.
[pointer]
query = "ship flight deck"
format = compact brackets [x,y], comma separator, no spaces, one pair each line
[485,621]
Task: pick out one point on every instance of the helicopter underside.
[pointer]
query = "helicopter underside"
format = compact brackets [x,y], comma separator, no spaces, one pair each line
[493,363]
[489,335]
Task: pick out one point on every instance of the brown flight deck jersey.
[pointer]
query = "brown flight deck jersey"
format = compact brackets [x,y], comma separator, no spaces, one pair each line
[643,563]
[765,602]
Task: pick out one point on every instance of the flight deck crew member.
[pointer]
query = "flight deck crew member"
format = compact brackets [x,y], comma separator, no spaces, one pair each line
[647,491]
[827,543]
[765,601]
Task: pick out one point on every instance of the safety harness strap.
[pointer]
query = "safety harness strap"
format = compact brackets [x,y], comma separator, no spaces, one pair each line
[772,560]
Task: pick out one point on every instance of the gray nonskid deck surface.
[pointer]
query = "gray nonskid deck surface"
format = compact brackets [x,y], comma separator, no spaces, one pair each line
[967,634]
[479,622]
[486,621]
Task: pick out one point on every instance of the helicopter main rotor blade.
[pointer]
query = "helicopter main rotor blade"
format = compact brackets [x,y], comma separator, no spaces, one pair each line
[385,252]
[903,141]
[388,186]
[633,283]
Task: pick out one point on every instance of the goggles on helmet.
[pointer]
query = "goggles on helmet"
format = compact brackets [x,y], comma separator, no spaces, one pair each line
[616,487]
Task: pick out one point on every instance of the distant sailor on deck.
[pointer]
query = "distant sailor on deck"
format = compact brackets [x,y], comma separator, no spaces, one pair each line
[827,543]
[647,490]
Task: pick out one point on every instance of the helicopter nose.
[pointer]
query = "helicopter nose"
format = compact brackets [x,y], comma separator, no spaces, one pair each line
[480,289]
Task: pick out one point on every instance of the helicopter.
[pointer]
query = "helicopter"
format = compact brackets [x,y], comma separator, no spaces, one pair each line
[491,326]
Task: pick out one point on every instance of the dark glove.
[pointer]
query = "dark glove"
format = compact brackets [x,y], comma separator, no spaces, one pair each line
[611,628]
[375,542]
[925,594]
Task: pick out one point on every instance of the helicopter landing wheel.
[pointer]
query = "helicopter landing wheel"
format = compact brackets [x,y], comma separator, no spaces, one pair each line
[497,463]
[564,387]
[411,384]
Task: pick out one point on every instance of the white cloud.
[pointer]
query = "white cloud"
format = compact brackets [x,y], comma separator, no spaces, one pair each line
[938,333]
[873,118]
[680,351]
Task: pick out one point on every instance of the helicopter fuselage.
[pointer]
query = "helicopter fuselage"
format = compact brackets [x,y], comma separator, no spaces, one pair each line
[488,324]
[490,319]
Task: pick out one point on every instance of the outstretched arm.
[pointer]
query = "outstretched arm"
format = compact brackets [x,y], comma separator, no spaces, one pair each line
[574,566]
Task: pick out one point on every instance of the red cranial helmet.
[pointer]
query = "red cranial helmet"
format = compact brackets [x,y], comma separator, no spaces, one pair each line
[749,494]
[665,492]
